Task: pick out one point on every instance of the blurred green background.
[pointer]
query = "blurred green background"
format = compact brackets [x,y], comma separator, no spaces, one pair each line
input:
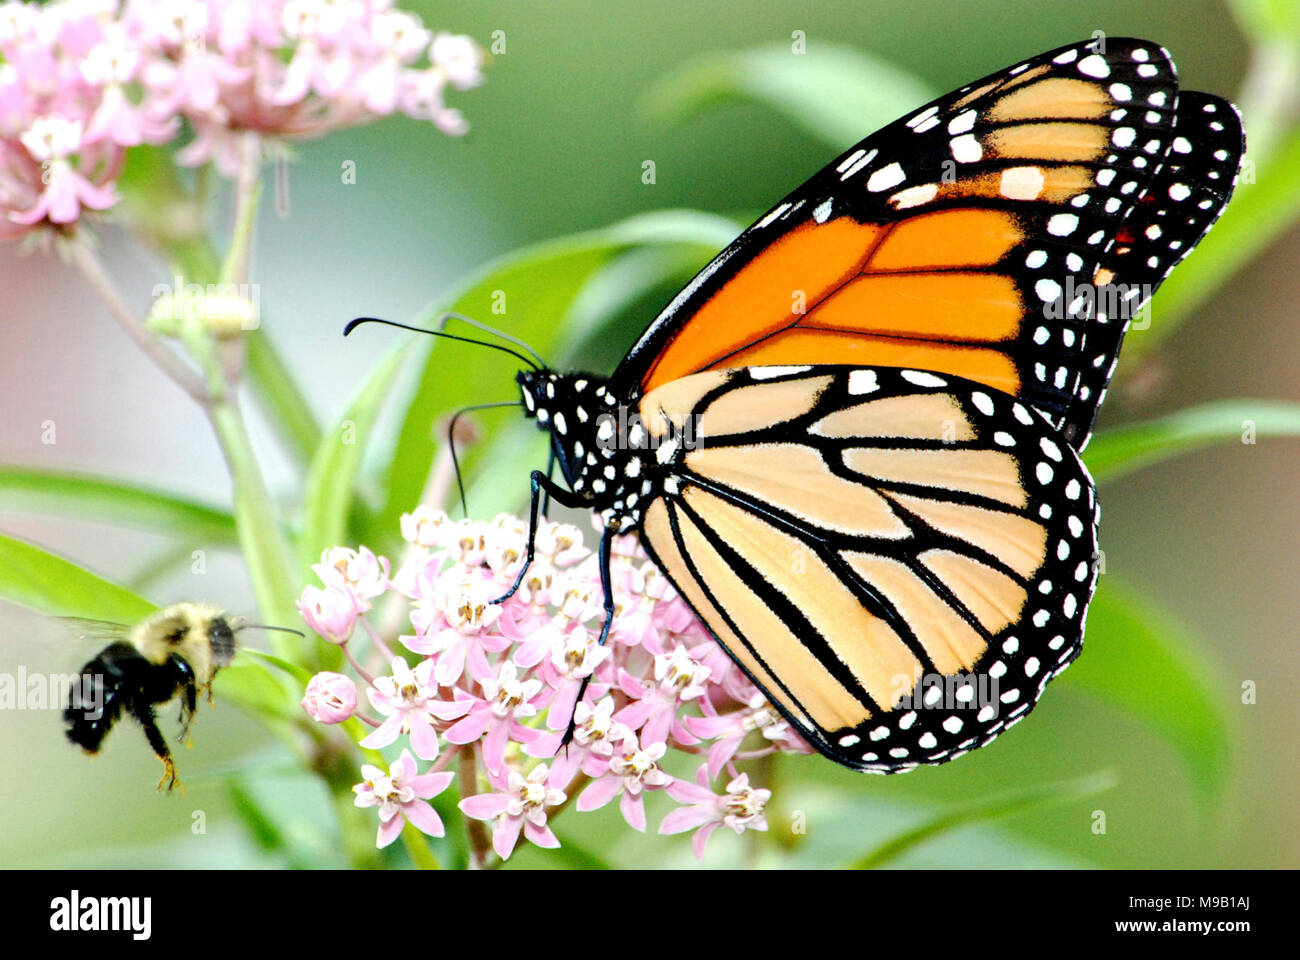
[560,133]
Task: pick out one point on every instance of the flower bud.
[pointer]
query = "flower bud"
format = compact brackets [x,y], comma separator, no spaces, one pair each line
[330,612]
[330,698]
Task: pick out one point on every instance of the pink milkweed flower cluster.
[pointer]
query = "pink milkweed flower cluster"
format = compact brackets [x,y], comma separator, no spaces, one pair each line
[83,80]
[500,682]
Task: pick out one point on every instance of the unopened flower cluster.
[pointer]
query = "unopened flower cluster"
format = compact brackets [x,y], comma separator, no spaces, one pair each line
[82,80]
[503,680]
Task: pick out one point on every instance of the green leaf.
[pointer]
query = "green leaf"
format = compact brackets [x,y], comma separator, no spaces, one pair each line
[261,828]
[417,845]
[531,294]
[117,502]
[1265,19]
[1137,659]
[35,578]
[626,279]
[985,809]
[332,478]
[255,689]
[835,93]
[1121,450]
[301,674]
[277,393]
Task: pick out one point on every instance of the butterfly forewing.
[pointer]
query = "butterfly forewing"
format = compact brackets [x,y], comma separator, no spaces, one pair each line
[960,239]
[899,559]
[1185,199]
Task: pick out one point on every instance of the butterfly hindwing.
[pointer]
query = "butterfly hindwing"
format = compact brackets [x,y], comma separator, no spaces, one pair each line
[953,240]
[900,560]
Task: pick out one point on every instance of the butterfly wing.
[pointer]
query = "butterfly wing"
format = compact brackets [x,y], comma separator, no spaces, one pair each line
[960,238]
[1186,197]
[899,559]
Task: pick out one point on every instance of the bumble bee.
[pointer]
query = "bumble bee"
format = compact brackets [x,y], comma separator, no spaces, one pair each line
[175,651]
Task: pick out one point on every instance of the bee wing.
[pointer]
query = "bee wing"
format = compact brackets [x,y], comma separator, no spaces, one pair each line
[84,628]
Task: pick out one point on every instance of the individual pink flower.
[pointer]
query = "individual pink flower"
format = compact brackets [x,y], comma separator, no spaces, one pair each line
[330,612]
[410,702]
[52,141]
[425,527]
[520,806]
[330,698]
[110,65]
[454,618]
[740,808]
[573,657]
[632,770]
[496,716]
[401,796]
[402,39]
[595,735]
[678,678]
[729,730]
[193,83]
[357,572]
[459,58]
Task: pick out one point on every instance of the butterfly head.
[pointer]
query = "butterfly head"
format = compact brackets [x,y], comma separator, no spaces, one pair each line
[586,421]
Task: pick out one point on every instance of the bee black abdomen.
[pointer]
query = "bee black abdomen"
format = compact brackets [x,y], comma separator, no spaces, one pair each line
[123,680]
[109,675]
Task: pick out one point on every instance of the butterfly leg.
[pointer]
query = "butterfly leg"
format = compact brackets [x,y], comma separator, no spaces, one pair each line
[540,482]
[607,587]
[546,497]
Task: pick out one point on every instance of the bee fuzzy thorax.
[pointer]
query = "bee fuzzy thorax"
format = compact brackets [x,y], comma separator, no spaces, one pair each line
[200,634]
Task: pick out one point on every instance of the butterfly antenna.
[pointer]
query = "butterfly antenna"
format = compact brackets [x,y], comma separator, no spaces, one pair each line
[353,324]
[450,315]
[267,626]
[451,440]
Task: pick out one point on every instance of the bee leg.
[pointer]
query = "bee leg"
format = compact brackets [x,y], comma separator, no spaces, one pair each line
[143,713]
[188,689]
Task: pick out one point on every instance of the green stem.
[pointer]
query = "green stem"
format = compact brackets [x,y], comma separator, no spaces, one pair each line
[417,845]
[260,538]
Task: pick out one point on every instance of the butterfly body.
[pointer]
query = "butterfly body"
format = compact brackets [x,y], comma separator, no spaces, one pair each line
[852,441]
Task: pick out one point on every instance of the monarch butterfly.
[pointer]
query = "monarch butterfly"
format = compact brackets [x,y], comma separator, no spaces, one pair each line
[851,442]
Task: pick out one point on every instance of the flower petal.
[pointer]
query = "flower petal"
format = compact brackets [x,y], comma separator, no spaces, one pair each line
[542,836]
[424,817]
[633,810]
[389,830]
[686,818]
[429,785]
[600,792]
[485,806]
[506,835]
